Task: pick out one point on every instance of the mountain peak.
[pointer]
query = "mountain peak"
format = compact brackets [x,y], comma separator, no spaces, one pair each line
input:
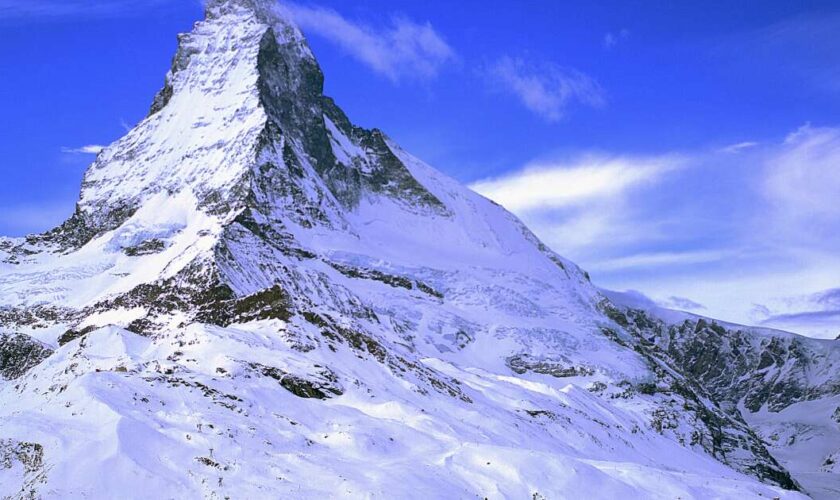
[266,12]
[247,252]
[264,8]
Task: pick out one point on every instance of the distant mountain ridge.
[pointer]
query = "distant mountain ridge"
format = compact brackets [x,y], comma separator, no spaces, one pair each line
[256,297]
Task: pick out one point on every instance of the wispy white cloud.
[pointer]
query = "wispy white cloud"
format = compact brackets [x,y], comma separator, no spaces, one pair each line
[91,149]
[815,312]
[55,9]
[612,39]
[546,89]
[583,205]
[739,147]
[660,259]
[403,50]
[802,185]
[824,324]
[542,186]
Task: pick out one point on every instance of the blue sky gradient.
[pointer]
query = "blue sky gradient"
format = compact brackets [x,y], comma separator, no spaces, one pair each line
[690,151]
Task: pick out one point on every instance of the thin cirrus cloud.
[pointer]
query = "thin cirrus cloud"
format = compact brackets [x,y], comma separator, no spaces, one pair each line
[546,89]
[551,185]
[802,183]
[660,259]
[582,206]
[612,39]
[739,147]
[819,310]
[404,50]
[91,149]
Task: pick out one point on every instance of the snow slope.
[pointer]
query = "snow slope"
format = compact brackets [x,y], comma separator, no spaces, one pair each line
[257,298]
[192,413]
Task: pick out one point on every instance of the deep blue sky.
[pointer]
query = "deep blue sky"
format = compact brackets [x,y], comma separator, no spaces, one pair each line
[677,83]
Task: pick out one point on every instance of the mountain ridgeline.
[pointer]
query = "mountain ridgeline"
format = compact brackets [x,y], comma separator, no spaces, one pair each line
[256,297]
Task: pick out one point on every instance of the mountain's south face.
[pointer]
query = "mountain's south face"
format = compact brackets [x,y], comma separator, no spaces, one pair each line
[257,298]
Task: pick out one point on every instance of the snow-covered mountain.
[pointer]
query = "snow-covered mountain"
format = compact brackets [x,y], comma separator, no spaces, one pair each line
[257,298]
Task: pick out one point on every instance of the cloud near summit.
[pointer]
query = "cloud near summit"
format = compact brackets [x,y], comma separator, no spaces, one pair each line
[546,89]
[404,50]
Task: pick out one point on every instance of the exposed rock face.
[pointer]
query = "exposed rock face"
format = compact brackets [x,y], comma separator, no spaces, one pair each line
[751,372]
[19,354]
[27,459]
[525,363]
[254,292]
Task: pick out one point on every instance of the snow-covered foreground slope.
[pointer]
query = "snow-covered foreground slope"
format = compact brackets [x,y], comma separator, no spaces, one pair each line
[208,411]
[257,298]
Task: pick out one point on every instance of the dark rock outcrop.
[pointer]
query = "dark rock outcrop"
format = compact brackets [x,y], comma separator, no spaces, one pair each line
[19,353]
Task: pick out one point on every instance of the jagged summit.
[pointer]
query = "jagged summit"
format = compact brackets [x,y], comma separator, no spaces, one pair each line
[254,292]
[265,10]
[269,13]
[244,96]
